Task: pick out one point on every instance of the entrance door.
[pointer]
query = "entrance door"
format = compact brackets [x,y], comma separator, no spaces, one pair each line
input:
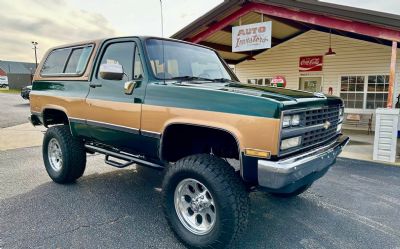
[310,84]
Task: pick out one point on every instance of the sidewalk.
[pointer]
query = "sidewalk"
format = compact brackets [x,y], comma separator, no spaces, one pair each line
[361,146]
[21,136]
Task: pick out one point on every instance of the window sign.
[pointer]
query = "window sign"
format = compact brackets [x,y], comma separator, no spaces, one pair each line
[251,37]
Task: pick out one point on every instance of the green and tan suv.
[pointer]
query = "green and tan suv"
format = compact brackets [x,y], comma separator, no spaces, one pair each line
[177,107]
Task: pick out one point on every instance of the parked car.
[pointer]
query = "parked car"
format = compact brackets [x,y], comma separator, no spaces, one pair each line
[25,91]
[176,106]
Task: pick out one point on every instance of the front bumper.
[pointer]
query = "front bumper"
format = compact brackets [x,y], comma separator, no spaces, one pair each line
[290,173]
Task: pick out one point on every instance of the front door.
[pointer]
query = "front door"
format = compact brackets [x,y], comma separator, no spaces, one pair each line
[310,84]
[114,117]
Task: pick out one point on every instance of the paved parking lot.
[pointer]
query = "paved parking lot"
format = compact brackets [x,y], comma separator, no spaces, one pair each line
[13,110]
[356,205]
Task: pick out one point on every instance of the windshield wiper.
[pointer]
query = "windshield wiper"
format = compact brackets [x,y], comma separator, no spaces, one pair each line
[223,80]
[190,78]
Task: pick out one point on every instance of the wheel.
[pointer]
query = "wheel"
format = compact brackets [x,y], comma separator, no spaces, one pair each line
[205,202]
[293,194]
[64,156]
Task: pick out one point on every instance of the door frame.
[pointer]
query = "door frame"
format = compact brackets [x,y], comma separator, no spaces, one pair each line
[311,76]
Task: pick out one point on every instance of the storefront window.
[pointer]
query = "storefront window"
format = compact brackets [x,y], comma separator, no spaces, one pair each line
[352,91]
[364,92]
[260,81]
[377,91]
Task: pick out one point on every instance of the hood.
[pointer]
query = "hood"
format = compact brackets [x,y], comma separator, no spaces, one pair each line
[279,94]
[273,93]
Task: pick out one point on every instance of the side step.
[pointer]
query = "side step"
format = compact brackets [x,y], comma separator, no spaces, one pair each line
[130,159]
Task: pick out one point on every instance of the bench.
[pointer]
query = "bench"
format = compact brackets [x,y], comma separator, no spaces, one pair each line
[360,120]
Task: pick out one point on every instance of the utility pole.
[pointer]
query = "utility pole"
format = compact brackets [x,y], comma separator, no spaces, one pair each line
[34,43]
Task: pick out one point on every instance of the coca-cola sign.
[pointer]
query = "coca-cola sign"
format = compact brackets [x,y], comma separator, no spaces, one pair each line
[310,63]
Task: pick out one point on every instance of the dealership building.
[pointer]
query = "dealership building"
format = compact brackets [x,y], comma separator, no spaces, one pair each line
[314,46]
[16,74]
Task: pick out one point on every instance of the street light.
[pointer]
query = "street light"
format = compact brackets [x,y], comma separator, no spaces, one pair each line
[34,43]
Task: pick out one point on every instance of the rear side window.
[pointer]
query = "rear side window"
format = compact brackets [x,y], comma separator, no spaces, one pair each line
[67,61]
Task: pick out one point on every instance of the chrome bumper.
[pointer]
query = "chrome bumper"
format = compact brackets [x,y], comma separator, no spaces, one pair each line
[280,174]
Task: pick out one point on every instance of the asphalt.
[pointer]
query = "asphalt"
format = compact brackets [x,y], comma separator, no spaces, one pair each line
[14,110]
[356,205]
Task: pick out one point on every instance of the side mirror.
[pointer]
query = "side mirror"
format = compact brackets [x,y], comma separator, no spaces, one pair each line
[111,71]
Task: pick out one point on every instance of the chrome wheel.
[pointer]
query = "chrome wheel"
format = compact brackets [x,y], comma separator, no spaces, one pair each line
[195,206]
[55,155]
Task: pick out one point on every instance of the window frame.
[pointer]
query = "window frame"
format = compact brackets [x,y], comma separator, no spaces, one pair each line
[148,62]
[92,45]
[364,109]
[104,50]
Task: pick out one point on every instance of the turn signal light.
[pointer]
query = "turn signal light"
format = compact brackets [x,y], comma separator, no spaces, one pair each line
[257,153]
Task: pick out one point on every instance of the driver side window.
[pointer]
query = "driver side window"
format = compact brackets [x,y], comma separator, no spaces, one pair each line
[120,53]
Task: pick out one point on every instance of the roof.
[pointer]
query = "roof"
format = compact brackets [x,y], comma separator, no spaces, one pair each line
[289,18]
[15,67]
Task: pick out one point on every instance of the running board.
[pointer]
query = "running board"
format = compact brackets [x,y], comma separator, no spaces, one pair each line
[130,159]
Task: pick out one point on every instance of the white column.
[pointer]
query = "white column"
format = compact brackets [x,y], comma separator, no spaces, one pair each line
[385,141]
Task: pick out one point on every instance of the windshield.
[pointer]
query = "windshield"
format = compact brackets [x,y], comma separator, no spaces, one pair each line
[185,61]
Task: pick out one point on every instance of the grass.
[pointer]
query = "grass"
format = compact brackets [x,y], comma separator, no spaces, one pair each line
[12,91]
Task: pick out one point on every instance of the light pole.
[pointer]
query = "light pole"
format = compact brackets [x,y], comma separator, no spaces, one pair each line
[35,47]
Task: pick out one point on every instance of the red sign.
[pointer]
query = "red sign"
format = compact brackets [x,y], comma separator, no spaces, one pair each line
[278,81]
[310,63]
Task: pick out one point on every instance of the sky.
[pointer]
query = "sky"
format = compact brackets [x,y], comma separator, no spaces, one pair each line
[56,22]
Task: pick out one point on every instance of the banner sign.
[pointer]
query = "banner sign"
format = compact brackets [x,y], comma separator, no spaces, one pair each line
[310,63]
[278,81]
[3,80]
[251,37]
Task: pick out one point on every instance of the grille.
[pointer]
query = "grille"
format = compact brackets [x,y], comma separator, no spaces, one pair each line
[319,116]
[318,136]
[312,138]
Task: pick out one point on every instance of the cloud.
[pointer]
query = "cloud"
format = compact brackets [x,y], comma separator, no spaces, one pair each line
[48,22]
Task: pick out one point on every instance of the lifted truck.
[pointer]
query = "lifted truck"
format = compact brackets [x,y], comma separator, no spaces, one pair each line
[177,107]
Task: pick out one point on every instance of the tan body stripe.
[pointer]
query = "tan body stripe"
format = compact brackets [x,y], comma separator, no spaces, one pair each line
[250,131]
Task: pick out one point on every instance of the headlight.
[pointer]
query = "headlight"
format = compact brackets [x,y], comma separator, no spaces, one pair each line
[290,142]
[295,120]
[286,121]
[291,120]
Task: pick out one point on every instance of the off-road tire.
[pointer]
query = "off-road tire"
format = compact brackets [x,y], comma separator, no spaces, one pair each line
[227,190]
[294,193]
[72,152]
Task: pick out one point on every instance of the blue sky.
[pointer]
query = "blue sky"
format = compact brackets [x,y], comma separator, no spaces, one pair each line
[55,22]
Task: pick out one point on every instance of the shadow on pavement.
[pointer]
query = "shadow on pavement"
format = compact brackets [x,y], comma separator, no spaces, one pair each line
[22,105]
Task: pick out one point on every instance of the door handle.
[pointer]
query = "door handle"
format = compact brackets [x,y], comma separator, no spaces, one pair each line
[94,85]
[129,86]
